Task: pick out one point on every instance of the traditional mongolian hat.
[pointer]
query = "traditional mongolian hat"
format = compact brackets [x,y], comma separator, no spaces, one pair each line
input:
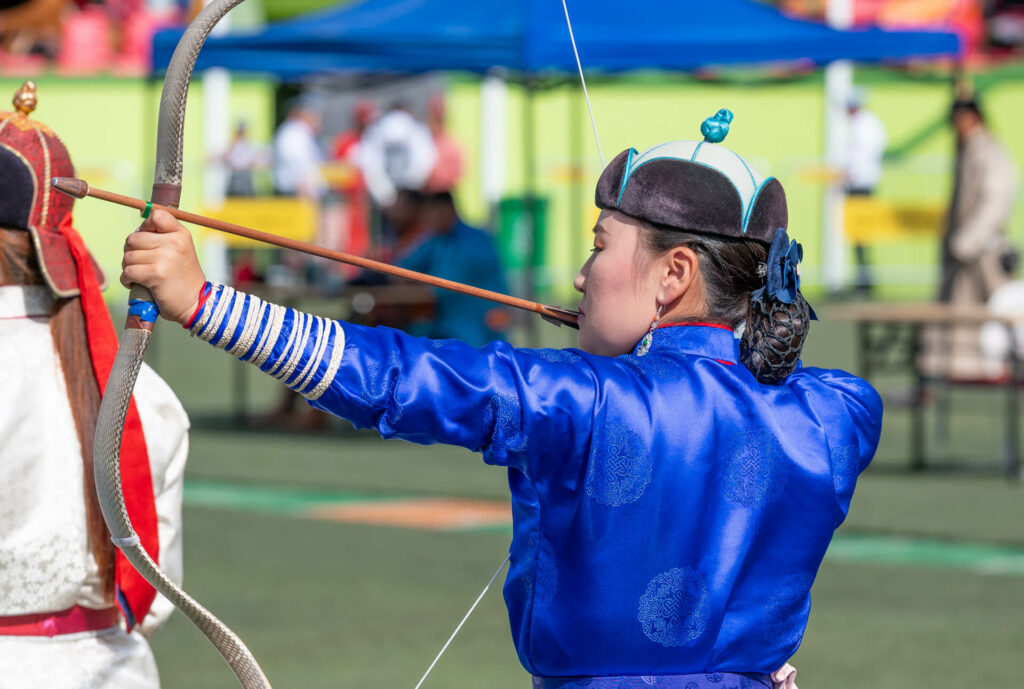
[30,154]
[696,186]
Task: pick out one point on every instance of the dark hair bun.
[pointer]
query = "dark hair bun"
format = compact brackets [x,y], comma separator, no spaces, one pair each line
[774,336]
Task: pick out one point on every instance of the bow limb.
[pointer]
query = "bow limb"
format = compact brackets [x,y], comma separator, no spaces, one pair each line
[132,348]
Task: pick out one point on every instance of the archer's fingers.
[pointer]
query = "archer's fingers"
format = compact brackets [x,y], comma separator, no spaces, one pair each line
[144,240]
[138,273]
[140,258]
[160,221]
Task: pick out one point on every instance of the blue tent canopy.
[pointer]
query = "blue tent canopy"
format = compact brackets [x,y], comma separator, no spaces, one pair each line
[530,36]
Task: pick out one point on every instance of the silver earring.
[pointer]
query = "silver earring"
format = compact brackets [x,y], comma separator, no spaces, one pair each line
[645,344]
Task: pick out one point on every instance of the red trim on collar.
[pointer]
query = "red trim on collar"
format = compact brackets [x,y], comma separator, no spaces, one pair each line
[706,325]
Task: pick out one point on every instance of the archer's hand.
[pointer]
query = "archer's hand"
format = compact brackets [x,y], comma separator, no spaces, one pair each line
[162,257]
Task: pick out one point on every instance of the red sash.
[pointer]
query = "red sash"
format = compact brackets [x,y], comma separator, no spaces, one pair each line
[134,594]
[71,621]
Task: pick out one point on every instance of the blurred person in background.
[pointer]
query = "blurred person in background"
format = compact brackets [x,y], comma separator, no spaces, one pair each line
[976,254]
[447,168]
[74,614]
[345,149]
[297,157]
[977,257]
[407,218]
[397,152]
[456,251]
[241,159]
[32,26]
[862,171]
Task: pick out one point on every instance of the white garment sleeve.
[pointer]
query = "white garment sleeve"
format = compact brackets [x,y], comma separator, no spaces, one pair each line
[165,425]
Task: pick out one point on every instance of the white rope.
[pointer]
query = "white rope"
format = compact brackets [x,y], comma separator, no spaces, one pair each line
[583,81]
[466,617]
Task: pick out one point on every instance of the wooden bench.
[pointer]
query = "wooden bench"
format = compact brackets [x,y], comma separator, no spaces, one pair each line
[889,335]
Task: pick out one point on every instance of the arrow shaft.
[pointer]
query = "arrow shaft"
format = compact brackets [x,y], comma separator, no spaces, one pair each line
[562,315]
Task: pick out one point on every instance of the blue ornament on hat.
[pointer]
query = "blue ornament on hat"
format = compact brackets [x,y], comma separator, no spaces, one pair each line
[716,128]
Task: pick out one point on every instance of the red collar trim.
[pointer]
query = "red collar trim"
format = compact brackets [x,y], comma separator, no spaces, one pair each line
[706,325]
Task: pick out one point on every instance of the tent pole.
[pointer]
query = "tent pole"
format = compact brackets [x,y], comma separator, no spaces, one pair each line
[838,86]
[529,200]
[577,170]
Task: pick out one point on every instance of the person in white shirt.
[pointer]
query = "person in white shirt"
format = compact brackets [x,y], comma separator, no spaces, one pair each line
[397,152]
[297,157]
[863,169]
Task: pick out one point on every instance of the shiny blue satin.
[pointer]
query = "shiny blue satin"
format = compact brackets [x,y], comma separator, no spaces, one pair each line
[700,680]
[670,513]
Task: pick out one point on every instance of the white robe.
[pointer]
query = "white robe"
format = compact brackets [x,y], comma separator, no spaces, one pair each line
[46,563]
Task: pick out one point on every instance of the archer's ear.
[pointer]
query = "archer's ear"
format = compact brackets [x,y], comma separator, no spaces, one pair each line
[680,274]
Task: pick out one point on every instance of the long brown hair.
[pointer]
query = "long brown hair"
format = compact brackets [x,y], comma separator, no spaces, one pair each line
[18,266]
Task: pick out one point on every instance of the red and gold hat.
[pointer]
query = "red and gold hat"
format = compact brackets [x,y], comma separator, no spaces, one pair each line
[30,154]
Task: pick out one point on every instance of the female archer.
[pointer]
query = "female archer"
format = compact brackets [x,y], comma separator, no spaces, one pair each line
[675,481]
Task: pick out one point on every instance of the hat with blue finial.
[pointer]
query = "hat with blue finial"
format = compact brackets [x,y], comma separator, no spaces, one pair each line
[696,186]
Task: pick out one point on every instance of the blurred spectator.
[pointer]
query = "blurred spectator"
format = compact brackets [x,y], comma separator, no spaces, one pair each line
[396,153]
[977,258]
[345,149]
[456,251]
[31,26]
[863,170]
[448,166]
[297,157]
[408,217]
[241,159]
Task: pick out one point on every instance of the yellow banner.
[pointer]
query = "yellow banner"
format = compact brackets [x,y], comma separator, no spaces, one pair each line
[868,220]
[284,216]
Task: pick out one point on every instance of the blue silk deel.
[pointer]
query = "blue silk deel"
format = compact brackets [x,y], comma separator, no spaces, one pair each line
[670,512]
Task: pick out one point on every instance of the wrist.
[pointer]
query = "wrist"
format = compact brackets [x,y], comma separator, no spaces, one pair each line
[192,314]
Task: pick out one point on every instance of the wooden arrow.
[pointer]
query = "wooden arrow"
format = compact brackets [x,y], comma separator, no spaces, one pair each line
[79,188]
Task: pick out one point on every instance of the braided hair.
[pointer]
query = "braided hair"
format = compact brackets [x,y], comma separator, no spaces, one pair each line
[773,332]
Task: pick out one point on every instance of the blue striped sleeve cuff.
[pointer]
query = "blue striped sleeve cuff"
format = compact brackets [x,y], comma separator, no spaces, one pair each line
[302,351]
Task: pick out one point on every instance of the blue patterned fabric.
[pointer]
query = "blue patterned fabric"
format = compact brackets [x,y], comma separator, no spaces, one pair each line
[669,511]
[701,680]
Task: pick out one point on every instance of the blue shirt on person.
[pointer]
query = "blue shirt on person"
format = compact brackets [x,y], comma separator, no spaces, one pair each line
[464,254]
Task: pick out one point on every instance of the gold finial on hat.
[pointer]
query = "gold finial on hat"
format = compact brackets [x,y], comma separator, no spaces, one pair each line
[25,99]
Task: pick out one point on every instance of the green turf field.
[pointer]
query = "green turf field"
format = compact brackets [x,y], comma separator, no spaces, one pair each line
[924,585]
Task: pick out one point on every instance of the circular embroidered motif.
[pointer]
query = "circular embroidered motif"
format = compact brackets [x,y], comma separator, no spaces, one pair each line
[504,414]
[541,581]
[620,467]
[714,677]
[786,612]
[755,469]
[844,469]
[674,609]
